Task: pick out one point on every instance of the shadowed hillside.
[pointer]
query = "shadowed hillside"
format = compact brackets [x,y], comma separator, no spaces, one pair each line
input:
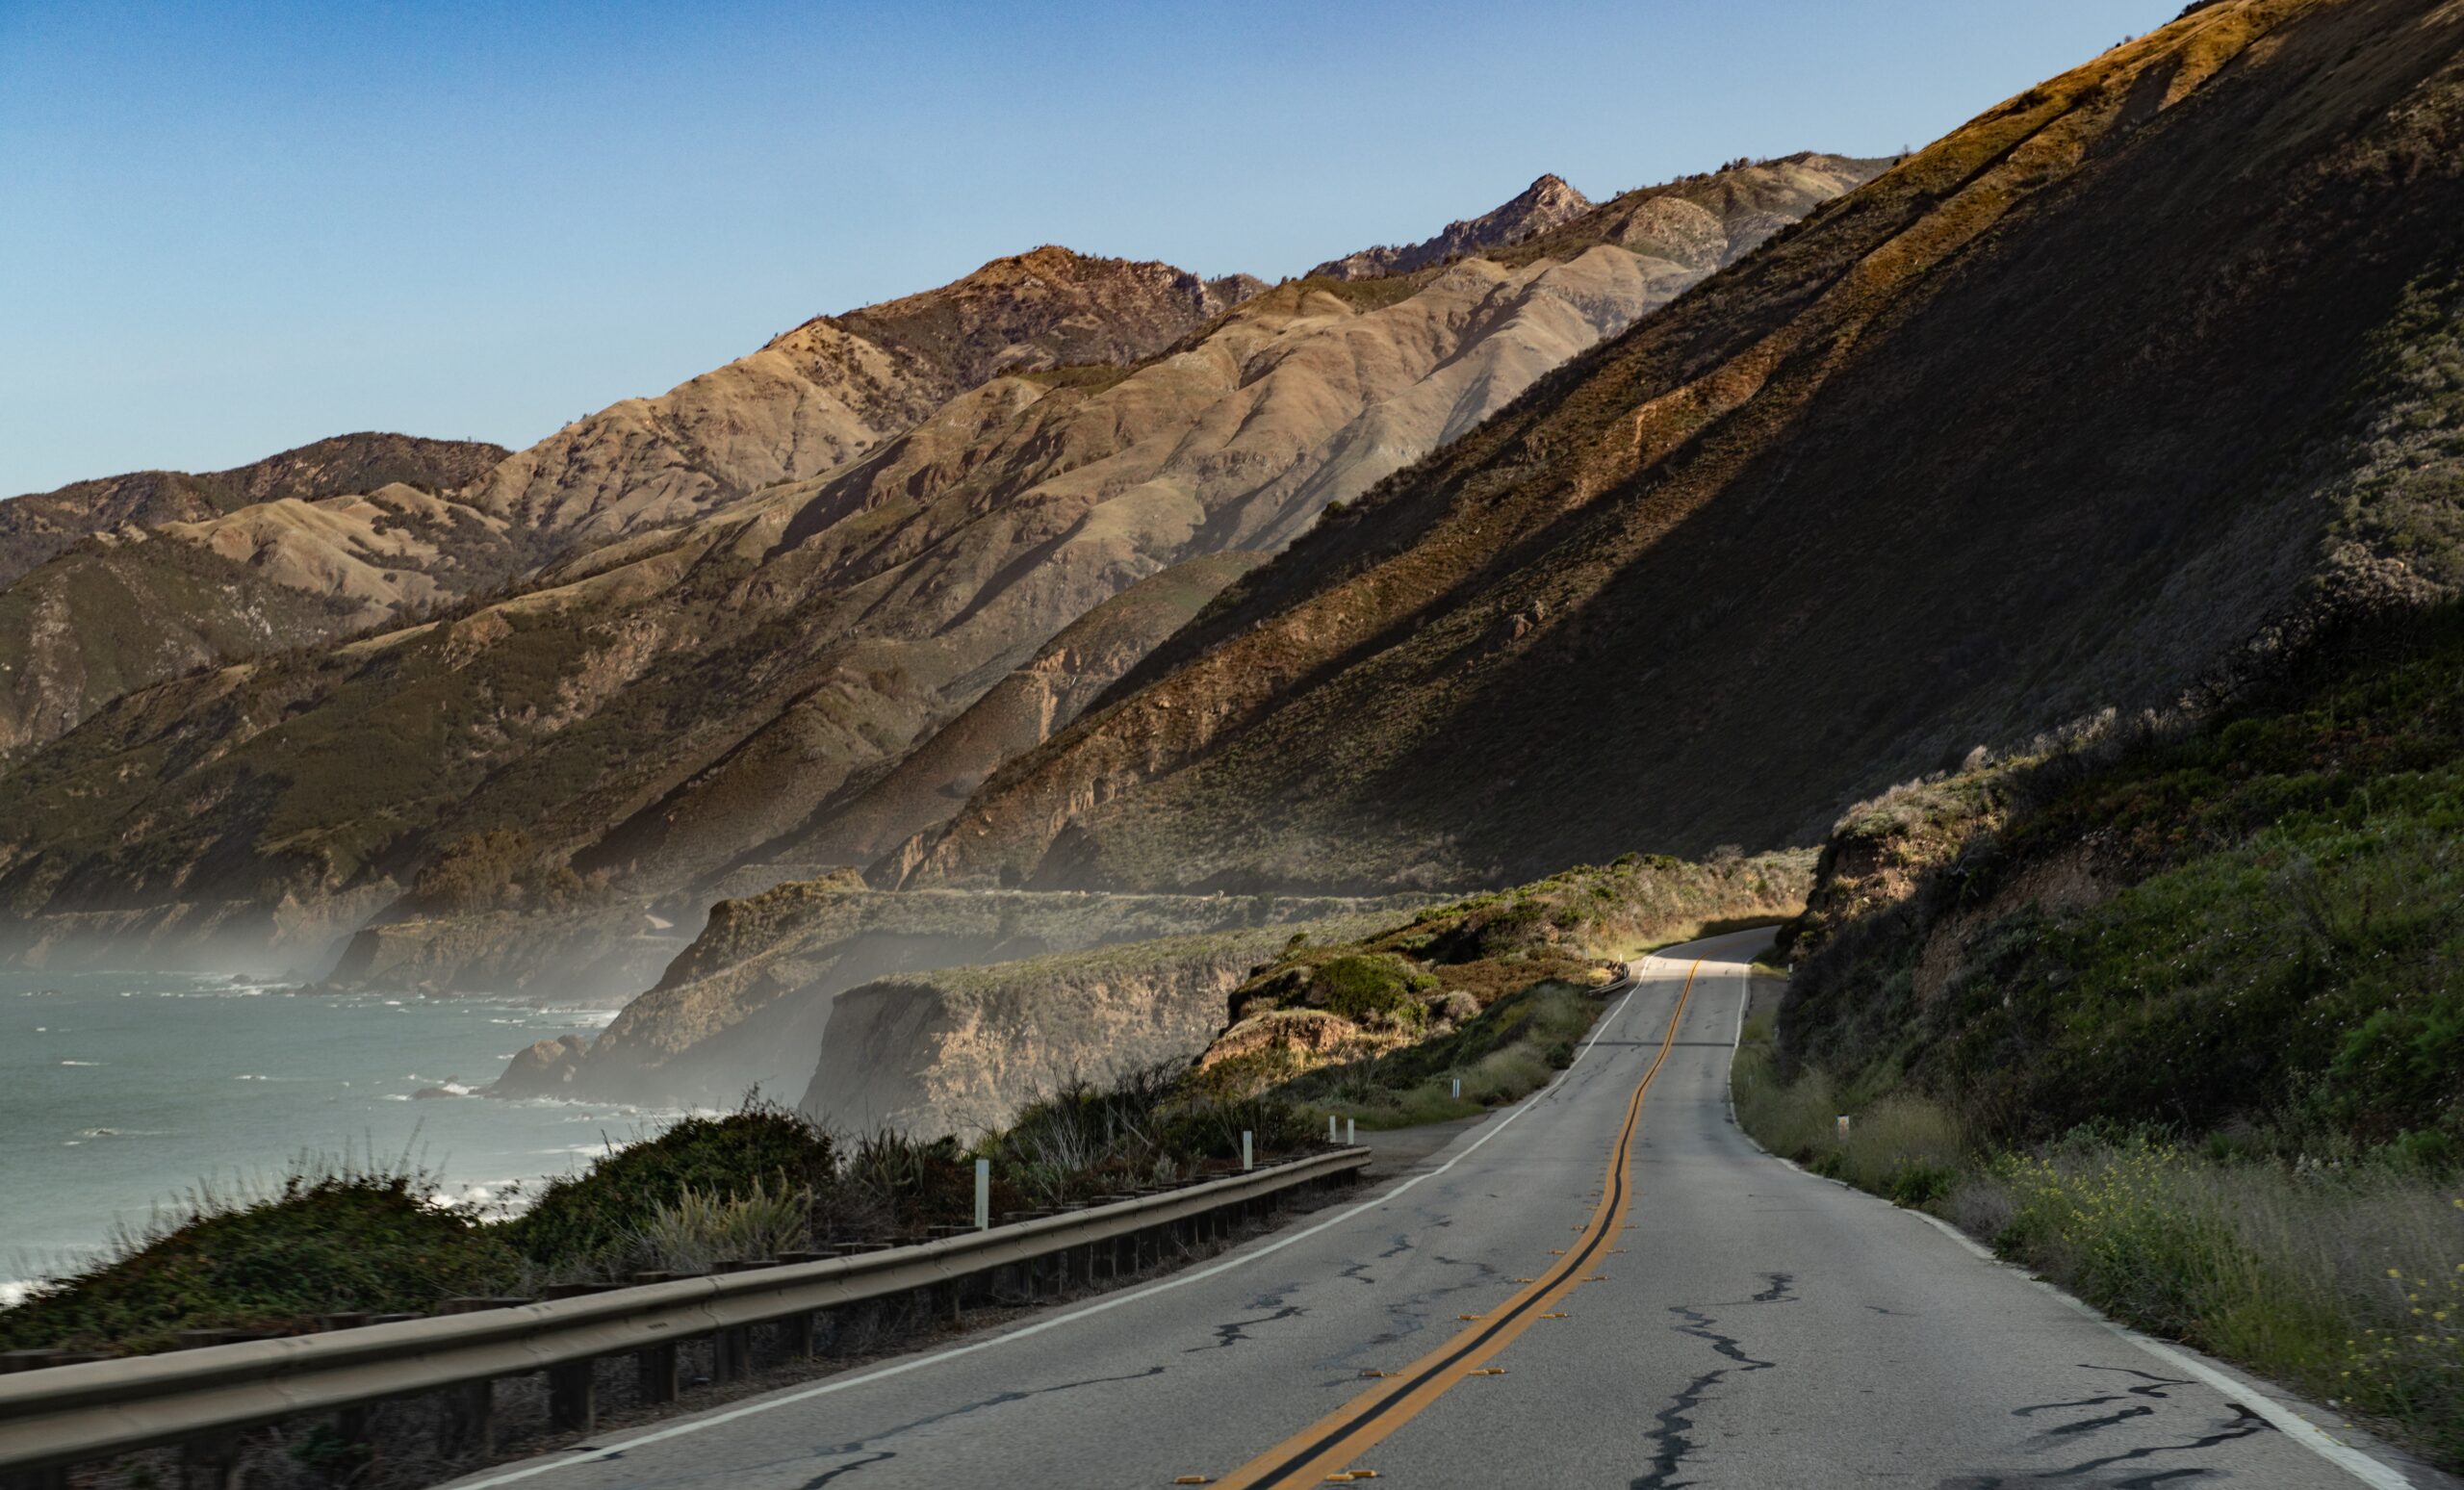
[2108,393]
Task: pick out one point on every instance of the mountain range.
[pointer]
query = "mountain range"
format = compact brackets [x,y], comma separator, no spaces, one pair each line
[693,635]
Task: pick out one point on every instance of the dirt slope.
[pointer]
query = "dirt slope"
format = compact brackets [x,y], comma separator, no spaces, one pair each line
[2110,390]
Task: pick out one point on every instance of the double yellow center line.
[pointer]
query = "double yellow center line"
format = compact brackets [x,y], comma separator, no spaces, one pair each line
[1327,1446]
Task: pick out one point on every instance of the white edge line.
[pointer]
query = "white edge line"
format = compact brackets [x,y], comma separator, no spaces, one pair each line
[1106,1302]
[2241,1394]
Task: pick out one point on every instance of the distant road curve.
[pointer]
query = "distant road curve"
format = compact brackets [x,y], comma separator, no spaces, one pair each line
[1607,1285]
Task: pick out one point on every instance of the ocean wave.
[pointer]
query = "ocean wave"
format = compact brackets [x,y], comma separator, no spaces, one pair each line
[81,1063]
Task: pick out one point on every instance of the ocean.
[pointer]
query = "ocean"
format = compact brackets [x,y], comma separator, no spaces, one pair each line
[121,1092]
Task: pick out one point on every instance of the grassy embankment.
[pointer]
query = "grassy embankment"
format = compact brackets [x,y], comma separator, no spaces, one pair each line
[1494,990]
[2177,1023]
[341,1238]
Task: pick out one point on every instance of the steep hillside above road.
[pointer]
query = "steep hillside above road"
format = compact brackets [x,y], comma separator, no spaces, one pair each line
[661,705]
[2122,931]
[2150,365]
[35,526]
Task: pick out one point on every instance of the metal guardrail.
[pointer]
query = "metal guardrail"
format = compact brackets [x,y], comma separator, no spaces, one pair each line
[64,1415]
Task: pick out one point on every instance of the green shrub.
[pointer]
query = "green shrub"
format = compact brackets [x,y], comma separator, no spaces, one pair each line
[701,1230]
[591,1224]
[328,1240]
[1371,988]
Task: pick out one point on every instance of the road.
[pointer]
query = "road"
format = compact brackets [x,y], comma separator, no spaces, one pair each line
[1607,1285]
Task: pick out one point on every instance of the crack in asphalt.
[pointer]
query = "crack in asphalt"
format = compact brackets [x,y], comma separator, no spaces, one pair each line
[2033,1408]
[1673,1440]
[1671,1437]
[2090,1424]
[1700,1328]
[1413,1312]
[1228,1335]
[2244,1425]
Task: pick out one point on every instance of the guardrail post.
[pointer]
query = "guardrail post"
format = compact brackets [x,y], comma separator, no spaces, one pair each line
[573,1397]
[731,1354]
[657,1377]
[211,1462]
[468,1423]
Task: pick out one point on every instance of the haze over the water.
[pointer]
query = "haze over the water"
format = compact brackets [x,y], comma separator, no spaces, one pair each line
[233,232]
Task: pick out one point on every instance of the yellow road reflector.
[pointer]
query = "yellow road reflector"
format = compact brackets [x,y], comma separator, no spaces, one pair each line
[1555,1315]
[1193,1479]
[1467,1316]
[1523,1280]
[1488,1370]
[1376,1372]
[1597,1278]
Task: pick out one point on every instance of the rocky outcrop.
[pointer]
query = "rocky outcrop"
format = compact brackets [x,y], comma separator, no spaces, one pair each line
[746,1004]
[962,1050]
[545,1067]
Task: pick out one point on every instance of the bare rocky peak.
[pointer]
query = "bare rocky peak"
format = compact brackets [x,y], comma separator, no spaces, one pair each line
[1542,205]
[1049,307]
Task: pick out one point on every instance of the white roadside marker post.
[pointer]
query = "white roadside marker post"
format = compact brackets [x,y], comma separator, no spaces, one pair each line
[1351,1133]
[983,1194]
[1247,1160]
[1330,1127]
[1843,1127]
[1458,1088]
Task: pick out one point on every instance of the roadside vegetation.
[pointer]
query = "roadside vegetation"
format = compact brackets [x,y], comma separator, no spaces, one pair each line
[1492,991]
[346,1236]
[2172,1017]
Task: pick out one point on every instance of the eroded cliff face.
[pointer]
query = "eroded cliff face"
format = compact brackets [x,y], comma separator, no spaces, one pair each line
[962,1050]
[599,957]
[747,1003]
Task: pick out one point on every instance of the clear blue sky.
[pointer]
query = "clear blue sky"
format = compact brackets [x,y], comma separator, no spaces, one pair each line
[230,229]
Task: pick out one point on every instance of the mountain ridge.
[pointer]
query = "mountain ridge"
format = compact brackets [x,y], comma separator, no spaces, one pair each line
[1363,712]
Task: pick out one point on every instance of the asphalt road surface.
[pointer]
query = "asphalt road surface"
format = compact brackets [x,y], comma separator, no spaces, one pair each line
[1607,1285]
